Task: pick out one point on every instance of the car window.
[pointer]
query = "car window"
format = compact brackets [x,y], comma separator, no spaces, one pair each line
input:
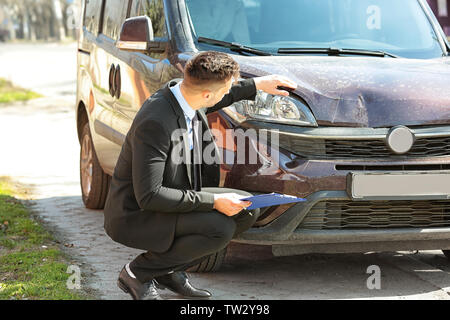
[92,15]
[154,9]
[115,15]
[220,19]
[400,27]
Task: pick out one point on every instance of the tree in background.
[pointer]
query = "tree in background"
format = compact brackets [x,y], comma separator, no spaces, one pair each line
[35,19]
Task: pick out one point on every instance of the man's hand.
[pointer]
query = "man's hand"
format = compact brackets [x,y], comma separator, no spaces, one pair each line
[229,203]
[270,84]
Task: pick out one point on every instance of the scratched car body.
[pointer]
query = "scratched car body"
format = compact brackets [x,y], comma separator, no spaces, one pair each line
[372,104]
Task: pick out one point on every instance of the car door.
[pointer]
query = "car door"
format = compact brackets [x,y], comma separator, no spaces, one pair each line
[93,86]
[141,74]
[114,12]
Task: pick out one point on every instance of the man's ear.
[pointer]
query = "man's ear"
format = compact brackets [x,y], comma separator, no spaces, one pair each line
[206,94]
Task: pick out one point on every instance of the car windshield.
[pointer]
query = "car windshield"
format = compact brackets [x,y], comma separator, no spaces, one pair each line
[399,27]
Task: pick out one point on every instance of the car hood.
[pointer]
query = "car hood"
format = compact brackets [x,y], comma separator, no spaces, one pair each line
[364,91]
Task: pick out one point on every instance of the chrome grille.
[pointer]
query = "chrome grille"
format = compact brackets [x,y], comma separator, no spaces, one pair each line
[362,149]
[345,214]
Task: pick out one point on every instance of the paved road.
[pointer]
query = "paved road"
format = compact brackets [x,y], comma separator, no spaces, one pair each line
[49,69]
[39,147]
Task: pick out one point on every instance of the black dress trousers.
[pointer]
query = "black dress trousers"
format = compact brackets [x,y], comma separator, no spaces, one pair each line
[197,235]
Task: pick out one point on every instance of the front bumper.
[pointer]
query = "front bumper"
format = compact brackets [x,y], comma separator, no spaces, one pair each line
[286,236]
[321,176]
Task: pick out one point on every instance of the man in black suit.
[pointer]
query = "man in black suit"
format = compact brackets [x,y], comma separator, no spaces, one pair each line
[173,209]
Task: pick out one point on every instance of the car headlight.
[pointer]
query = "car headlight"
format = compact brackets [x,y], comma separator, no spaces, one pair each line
[280,109]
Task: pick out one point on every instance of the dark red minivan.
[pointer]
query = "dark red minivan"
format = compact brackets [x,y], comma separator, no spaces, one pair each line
[365,138]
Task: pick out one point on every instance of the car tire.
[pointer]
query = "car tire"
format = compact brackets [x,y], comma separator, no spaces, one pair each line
[93,180]
[211,264]
[446,253]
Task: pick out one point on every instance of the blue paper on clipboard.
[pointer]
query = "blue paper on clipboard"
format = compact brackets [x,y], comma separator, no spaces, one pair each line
[270,199]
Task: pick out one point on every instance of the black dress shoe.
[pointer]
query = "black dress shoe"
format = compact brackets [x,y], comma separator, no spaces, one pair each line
[137,290]
[178,282]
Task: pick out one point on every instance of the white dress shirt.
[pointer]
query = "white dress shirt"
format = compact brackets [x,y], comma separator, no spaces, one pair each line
[189,113]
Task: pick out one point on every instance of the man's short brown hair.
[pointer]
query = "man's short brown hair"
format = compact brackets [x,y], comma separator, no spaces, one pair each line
[211,66]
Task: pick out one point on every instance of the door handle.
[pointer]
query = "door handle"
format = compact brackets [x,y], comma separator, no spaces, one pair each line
[112,71]
[117,82]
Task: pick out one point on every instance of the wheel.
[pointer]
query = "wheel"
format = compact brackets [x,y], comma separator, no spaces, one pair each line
[211,264]
[447,253]
[94,182]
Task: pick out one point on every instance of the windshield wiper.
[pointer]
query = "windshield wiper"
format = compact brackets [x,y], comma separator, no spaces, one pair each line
[233,46]
[336,52]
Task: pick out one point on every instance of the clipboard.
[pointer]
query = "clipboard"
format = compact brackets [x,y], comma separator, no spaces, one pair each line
[270,199]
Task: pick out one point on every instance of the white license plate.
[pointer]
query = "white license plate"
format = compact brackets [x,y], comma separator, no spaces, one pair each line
[399,186]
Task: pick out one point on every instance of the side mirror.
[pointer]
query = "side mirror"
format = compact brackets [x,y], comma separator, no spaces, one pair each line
[137,35]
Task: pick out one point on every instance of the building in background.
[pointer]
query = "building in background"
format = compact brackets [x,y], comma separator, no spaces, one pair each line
[441,9]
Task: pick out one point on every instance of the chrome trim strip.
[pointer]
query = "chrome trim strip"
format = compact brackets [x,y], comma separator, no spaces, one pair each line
[328,133]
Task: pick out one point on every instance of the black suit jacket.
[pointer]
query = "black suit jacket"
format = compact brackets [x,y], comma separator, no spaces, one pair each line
[148,190]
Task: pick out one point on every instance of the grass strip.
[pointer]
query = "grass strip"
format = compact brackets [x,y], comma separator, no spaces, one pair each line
[31,264]
[10,93]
